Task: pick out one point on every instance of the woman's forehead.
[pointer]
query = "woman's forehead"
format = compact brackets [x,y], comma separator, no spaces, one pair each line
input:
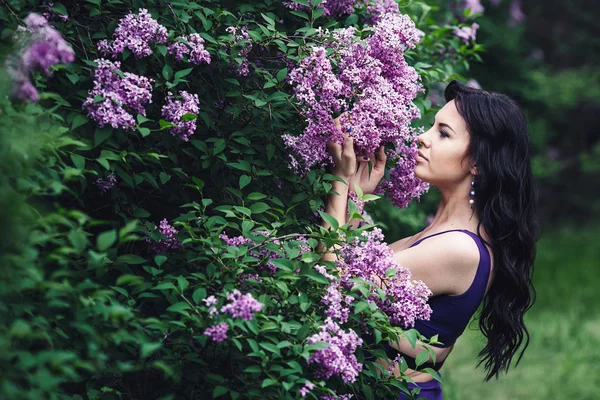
[449,115]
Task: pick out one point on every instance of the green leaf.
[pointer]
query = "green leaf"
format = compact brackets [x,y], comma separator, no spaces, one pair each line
[244,181]
[141,119]
[421,358]
[149,348]
[281,74]
[179,307]
[164,286]
[144,131]
[330,220]
[78,161]
[188,117]
[182,73]
[268,382]
[259,207]
[130,259]
[159,260]
[60,9]
[219,391]
[78,121]
[106,239]
[183,283]
[167,72]
[164,177]
[270,347]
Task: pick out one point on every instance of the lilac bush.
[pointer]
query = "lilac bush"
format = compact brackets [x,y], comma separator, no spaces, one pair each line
[192,45]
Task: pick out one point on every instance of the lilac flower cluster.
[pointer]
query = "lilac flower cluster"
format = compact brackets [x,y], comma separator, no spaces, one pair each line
[403,186]
[308,386]
[406,299]
[116,96]
[241,38]
[242,306]
[134,32]
[193,45]
[338,358]
[170,244]
[373,79]
[336,397]
[262,252]
[217,333]
[106,184]
[42,47]
[466,33]
[474,5]
[338,305]
[174,111]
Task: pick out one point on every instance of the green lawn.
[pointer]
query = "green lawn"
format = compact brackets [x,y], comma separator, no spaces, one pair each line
[563,358]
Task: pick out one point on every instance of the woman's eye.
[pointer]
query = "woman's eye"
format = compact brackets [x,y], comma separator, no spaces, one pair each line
[443,133]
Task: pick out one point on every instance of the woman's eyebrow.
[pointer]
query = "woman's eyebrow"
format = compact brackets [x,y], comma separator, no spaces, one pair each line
[447,126]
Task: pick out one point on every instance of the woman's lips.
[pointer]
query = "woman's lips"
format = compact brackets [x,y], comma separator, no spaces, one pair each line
[422,157]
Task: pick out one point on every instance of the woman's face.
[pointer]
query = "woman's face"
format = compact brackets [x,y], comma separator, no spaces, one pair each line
[442,161]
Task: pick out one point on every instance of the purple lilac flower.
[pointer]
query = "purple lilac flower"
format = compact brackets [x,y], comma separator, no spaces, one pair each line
[406,299]
[308,386]
[217,333]
[42,47]
[474,5]
[466,33]
[403,185]
[242,306]
[170,244]
[104,185]
[174,110]
[336,397]
[241,38]
[134,32]
[192,45]
[244,277]
[338,305]
[119,95]
[516,14]
[380,8]
[323,271]
[338,358]
[210,301]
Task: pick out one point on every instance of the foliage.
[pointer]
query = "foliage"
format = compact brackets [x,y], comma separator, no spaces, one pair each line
[117,256]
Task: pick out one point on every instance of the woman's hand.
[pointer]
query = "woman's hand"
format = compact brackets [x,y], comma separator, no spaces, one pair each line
[365,179]
[344,156]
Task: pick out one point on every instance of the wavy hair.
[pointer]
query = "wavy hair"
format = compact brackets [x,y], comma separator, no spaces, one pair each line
[505,204]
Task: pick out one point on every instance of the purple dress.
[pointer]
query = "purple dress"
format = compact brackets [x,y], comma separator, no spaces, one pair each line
[450,315]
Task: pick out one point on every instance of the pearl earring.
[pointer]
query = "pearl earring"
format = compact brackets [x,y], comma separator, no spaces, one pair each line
[472,194]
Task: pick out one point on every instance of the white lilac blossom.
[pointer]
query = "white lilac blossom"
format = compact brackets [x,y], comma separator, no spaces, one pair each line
[474,5]
[42,47]
[371,79]
[191,45]
[338,357]
[241,306]
[116,96]
[370,259]
[218,333]
[174,111]
[135,32]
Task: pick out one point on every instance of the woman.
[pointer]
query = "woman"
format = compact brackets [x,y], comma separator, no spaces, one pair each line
[480,246]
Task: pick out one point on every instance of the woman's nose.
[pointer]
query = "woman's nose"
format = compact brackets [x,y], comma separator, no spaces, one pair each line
[422,140]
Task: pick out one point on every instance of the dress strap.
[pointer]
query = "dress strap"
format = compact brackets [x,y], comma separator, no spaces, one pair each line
[438,233]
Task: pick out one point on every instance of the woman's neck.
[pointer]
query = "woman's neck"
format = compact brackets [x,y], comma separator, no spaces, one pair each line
[454,210]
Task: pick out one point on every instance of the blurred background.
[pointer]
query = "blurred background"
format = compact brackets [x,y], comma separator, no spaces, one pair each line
[545,54]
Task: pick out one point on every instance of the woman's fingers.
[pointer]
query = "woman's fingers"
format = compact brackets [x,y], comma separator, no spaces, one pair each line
[381,158]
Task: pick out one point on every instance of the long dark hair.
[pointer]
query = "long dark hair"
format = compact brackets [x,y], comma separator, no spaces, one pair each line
[505,205]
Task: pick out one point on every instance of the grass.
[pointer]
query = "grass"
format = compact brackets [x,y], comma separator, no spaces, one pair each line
[563,358]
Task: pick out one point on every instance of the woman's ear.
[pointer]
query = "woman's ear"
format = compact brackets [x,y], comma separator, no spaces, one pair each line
[474,170]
